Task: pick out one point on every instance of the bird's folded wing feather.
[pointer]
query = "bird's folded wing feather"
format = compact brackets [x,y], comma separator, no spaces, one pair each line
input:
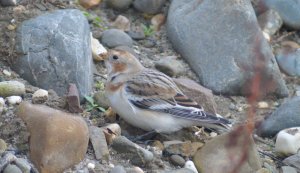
[155,91]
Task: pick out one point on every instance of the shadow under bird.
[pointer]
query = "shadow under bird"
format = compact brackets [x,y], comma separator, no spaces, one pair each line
[150,100]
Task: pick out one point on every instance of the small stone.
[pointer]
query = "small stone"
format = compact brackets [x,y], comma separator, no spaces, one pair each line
[2,105]
[111,131]
[190,165]
[186,149]
[98,51]
[101,99]
[11,27]
[91,166]
[8,2]
[7,73]
[288,169]
[23,165]
[157,144]
[9,88]
[177,160]
[213,134]
[263,105]
[89,3]
[12,169]
[170,66]
[58,140]
[118,169]
[288,10]
[270,22]
[99,144]
[40,96]
[293,160]
[3,146]
[134,170]
[115,37]
[13,100]
[122,23]
[136,154]
[157,21]
[137,35]
[73,99]
[6,159]
[288,141]
[198,93]
[119,4]
[149,6]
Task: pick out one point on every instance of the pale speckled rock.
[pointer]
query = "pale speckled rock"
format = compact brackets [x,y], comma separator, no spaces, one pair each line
[13,100]
[40,96]
[10,88]
[149,6]
[288,141]
[54,50]
[190,165]
[122,23]
[286,116]
[23,165]
[208,46]
[3,146]
[58,140]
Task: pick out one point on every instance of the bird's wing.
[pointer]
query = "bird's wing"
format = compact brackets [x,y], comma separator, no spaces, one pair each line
[152,90]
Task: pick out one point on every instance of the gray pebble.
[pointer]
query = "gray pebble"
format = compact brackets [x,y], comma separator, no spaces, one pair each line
[12,169]
[170,66]
[118,169]
[119,4]
[177,160]
[115,37]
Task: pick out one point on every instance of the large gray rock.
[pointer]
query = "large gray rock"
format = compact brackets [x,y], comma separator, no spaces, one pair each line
[55,50]
[287,9]
[286,116]
[224,45]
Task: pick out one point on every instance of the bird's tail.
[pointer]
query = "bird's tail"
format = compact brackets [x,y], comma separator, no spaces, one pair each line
[219,123]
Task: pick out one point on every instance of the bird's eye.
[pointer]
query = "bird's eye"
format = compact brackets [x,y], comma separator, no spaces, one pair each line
[115,57]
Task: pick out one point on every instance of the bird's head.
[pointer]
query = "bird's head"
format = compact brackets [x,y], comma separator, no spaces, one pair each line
[122,62]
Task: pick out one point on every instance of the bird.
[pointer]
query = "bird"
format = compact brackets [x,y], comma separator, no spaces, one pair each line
[150,100]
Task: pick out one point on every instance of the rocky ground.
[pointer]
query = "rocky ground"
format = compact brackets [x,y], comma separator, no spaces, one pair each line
[142,28]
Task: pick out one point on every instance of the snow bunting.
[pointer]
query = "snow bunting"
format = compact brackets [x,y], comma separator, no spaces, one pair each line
[150,100]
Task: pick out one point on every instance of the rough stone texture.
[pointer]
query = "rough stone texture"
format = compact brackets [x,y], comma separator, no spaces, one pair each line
[293,160]
[118,169]
[270,22]
[115,37]
[288,141]
[177,160]
[136,154]
[225,47]
[58,140]
[149,6]
[223,153]
[98,141]
[286,116]
[198,93]
[54,51]
[288,169]
[73,99]
[288,10]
